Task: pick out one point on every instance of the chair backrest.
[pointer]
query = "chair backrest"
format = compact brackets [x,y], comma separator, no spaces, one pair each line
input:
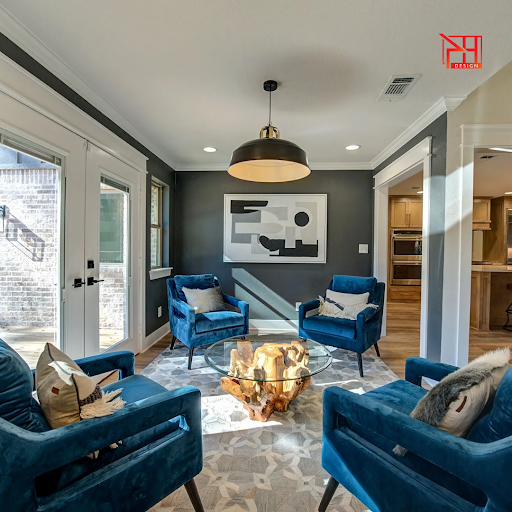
[496,421]
[353,284]
[16,384]
[201,281]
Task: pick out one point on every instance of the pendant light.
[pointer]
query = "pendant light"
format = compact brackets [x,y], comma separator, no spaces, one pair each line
[269,159]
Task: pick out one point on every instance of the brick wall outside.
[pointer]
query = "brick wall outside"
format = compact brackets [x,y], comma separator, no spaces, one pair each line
[28,247]
[28,254]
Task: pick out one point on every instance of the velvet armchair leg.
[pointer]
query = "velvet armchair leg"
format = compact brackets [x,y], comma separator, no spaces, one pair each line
[190,356]
[193,494]
[360,364]
[377,349]
[332,485]
[173,341]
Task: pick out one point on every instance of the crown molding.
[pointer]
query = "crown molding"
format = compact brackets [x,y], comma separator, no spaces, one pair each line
[332,166]
[445,104]
[28,42]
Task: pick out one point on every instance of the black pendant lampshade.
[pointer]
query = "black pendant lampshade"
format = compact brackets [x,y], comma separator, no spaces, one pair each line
[269,158]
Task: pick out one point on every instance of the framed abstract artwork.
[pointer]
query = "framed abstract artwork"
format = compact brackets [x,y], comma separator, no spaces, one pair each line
[272,228]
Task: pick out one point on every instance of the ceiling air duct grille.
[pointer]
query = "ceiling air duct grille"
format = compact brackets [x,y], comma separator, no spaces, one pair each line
[397,87]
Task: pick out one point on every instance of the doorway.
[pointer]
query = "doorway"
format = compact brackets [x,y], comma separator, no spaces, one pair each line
[405,275]
[71,240]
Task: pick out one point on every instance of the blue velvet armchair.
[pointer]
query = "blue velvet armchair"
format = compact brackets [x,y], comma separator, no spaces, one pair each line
[440,472]
[355,335]
[47,470]
[195,330]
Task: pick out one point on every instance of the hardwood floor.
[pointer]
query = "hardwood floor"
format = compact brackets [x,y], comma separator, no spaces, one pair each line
[403,337]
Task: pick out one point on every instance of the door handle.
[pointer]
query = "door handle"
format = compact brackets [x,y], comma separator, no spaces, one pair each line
[77,283]
[91,281]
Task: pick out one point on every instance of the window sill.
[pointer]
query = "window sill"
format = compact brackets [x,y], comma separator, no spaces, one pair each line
[158,273]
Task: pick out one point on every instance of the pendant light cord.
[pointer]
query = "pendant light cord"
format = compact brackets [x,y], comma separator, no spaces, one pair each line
[270,108]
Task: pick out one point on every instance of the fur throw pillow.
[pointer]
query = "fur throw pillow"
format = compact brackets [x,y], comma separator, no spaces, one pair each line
[457,401]
[329,307]
[204,301]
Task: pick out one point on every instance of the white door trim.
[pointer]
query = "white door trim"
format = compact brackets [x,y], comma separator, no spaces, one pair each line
[416,159]
[458,237]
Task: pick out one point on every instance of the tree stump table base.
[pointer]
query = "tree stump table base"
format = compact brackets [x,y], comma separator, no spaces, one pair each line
[274,373]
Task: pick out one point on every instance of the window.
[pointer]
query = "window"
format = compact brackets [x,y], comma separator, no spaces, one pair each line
[156,225]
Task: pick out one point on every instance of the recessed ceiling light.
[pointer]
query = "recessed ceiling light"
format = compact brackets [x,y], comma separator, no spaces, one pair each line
[352,147]
[419,192]
[209,149]
[507,150]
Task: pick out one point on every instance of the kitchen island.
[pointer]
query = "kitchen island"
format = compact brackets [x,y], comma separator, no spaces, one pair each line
[489,296]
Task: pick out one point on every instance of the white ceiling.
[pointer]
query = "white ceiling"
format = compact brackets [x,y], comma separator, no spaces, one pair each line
[189,74]
[492,178]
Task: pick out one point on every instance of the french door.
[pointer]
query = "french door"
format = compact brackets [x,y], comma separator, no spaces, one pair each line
[70,239]
[112,254]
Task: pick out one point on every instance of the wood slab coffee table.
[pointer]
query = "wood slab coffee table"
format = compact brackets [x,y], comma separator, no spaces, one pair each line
[267,371]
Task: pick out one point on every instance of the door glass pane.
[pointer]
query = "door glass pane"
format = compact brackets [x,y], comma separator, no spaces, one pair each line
[29,252]
[114,263]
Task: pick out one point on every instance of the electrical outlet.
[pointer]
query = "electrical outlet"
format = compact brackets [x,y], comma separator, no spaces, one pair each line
[297,304]
[159,311]
[363,248]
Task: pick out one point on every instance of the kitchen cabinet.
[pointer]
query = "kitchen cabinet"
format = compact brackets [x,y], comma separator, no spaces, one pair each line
[482,213]
[406,212]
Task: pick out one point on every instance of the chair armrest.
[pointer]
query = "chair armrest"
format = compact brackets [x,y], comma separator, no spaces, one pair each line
[70,443]
[366,315]
[239,303]
[124,361]
[185,310]
[307,306]
[418,367]
[463,458]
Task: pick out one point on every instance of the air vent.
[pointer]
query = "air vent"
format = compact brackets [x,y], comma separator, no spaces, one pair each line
[487,157]
[397,87]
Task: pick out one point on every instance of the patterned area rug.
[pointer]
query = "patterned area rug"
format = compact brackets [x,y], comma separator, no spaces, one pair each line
[263,467]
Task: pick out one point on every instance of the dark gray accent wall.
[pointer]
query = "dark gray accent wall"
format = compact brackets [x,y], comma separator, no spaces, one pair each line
[437,130]
[274,288]
[155,290]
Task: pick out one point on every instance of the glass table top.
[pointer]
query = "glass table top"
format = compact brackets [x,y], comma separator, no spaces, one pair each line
[268,357]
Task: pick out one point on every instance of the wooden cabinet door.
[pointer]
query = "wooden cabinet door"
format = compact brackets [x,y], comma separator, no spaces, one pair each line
[482,213]
[399,217]
[415,212]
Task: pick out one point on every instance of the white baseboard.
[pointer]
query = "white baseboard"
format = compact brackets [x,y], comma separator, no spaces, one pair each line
[156,336]
[273,325]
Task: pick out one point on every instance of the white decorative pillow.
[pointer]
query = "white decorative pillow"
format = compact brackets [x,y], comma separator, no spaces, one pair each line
[455,403]
[329,307]
[204,301]
[464,411]
[347,299]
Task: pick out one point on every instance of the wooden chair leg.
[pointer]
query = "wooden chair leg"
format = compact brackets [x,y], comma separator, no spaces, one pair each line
[360,364]
[190,355]
[332,485]
[194,496]
[377,349]
[173,341]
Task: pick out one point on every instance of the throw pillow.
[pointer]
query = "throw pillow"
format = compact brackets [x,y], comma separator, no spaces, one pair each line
[456,402]
[66,394]
[329,307]
[205,301]
[347,299]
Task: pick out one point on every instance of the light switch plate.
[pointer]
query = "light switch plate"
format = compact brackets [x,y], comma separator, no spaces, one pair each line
[159,311]
[297,304]
[363,248]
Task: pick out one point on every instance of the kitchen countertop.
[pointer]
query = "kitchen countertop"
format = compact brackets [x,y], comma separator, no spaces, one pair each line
[491,268]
